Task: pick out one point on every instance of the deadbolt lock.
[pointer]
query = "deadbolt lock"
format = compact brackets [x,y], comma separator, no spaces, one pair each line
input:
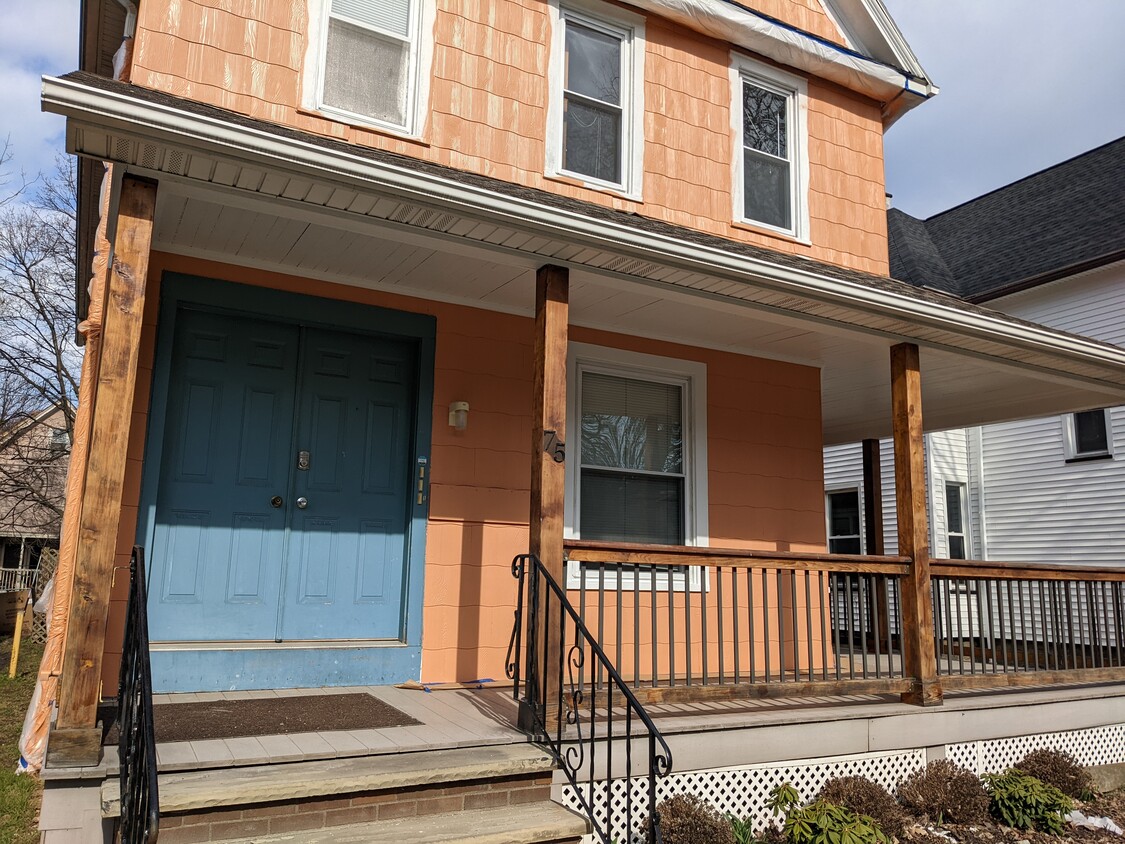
[276,501]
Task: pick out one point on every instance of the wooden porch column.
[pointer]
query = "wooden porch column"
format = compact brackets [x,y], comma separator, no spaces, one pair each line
[75,739]
[548,454]
[913,539]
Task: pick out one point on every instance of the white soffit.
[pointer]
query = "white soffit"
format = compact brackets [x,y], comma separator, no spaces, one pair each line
[352,185]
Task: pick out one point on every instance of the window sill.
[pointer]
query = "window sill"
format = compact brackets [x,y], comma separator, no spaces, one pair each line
[747,226]
[352,122]
[1086,458]
[600,187]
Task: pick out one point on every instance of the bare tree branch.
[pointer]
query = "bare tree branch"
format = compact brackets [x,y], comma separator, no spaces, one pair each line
[39,361]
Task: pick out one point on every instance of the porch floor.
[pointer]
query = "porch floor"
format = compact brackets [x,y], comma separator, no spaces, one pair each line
[486,717]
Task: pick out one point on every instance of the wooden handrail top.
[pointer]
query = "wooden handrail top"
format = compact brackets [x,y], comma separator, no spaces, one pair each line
[639,554]
[980,569]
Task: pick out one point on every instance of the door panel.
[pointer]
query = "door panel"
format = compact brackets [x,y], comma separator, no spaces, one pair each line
[218,545]
[354,411]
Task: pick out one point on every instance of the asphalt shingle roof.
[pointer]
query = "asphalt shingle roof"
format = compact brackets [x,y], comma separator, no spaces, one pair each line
[1067,216]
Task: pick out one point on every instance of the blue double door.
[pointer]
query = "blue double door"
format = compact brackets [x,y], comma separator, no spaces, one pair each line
[285,489]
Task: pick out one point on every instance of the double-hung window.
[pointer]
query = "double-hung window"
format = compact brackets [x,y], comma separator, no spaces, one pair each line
[1087,435]
[956,505]
[637,463]
[843,522]
[771,163]
[593,112]
[368,61]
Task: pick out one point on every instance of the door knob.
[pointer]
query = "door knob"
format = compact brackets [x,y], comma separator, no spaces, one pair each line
[302,503]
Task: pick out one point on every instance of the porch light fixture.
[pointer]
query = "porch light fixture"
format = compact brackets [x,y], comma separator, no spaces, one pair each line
[459,415]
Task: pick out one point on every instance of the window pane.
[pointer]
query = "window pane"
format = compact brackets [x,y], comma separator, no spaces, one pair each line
[390,15]
[844,545]
[843,515]
[365,73]
[592,140]
[593,63]
[631,424]
[956,547]
[766,189]
[632,508]
[764,120]
[953,514]
[1090,435]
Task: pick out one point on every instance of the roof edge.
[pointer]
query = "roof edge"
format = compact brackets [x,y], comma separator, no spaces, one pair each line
[107,108]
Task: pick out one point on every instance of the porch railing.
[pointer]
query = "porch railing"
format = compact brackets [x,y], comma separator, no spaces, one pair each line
[605,742]
[136,743]
[1008,624]
[16,580]
[694,623]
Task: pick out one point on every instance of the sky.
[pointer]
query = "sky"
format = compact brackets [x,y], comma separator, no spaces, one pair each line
[1024,84]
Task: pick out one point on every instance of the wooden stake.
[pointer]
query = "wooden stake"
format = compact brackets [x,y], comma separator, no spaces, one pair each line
[24,600]
[913,537]
[75,738]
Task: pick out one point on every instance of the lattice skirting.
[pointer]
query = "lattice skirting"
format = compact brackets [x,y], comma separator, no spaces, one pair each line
[1095,746]
[743,791]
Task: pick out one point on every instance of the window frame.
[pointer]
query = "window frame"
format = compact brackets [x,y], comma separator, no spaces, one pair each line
[691,376]
[419,61]
[1070,438]
[965,534]
[828,493]
[629,28]
[795,89]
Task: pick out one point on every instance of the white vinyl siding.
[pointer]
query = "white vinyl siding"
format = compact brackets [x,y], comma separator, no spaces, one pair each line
[843,468]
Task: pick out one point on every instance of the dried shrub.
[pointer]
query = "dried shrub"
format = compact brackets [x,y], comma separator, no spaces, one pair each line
[687,819]
[1060,769]
[945,792]
[864,797]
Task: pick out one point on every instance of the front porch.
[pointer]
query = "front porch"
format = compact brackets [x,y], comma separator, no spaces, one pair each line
[732,751]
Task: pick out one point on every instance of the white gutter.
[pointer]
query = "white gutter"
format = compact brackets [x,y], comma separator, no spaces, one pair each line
[112,109]
[745,28]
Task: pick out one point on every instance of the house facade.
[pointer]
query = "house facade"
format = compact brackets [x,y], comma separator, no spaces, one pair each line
[1044,489]
[33,459]
[387,295]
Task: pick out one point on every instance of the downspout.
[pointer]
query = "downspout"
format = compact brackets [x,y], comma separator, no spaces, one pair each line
[37,722]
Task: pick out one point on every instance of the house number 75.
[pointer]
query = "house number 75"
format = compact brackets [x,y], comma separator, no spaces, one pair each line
[554,446]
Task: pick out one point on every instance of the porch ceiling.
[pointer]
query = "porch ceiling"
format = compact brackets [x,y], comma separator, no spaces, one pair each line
[243,192]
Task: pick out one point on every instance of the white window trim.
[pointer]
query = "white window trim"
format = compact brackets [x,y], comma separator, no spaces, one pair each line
[630,28]
[417,86]
[828,493]
[1070,439]
[796,89]
[692,377]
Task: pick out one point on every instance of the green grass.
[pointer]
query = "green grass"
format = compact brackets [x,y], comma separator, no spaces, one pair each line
[19,796]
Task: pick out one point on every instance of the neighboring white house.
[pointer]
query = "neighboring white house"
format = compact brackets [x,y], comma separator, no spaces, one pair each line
[1049,248]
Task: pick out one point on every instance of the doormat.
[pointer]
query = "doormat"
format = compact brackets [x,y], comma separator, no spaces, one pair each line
[272,716]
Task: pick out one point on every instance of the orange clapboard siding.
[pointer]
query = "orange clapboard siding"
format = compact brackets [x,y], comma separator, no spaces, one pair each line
[488,109]
[765,474]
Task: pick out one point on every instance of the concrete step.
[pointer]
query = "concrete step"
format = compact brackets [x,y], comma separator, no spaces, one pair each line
[535,823]
[247,786]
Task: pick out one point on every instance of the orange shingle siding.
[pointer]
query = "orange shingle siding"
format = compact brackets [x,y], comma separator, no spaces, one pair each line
[488,109]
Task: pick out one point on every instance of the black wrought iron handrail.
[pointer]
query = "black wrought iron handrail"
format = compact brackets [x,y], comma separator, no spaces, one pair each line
[570,694]
[136,738]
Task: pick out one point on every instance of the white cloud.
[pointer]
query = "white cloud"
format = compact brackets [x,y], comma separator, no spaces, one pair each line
[1024,84]
[35,38]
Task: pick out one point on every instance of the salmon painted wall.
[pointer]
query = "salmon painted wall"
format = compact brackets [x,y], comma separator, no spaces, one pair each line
[488,109]
[764,475]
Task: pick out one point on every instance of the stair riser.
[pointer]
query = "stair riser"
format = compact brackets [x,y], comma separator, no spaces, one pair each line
[296,815]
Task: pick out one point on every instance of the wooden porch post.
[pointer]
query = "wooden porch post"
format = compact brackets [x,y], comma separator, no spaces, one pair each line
[548,468]
[913,540]
[75,739]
